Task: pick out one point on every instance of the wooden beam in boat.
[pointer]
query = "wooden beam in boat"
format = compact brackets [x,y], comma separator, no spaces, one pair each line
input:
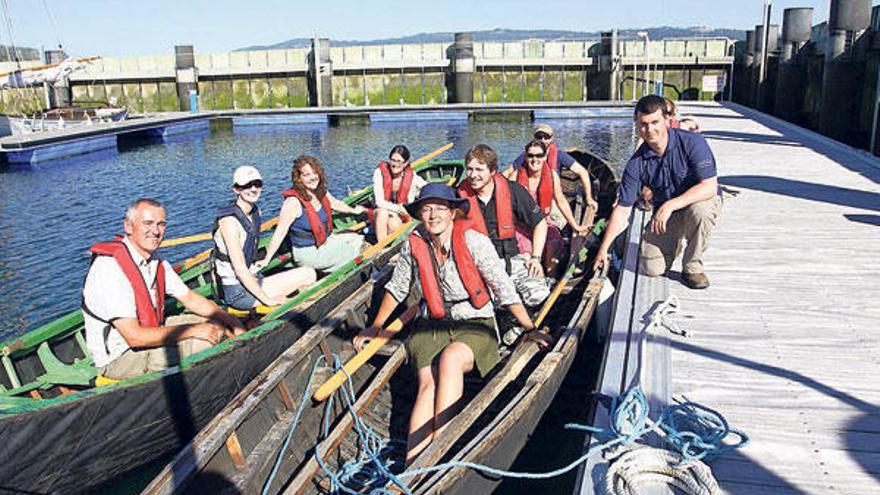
[235,452]
[307,472]
[202,449]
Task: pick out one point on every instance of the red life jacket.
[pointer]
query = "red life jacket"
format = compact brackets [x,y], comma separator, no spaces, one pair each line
[674,123]
[319,230]
[553,157]
[148,315]
[545,185]
[464,263]
[503,208]
[405,183]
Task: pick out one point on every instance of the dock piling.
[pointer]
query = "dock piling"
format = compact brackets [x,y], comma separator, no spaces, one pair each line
[186,75]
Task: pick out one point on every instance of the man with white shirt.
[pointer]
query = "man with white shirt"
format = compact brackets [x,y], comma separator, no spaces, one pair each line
[124,299]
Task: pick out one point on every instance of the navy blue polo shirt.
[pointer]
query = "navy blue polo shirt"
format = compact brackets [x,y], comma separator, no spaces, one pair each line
[687,161]
[563,159]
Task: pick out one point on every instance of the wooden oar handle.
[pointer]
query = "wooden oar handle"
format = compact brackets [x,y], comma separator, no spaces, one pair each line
[430,155]
[353,364]
[372,250]
[185,240]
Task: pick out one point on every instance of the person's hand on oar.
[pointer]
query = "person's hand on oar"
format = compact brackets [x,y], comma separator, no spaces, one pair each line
[365,337]
[540,336]
[599,262]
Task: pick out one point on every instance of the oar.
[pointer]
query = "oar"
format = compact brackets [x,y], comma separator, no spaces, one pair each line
[208,235]
[580,246]
[190,262]
[353,364]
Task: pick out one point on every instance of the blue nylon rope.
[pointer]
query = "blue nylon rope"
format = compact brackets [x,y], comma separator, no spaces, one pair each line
[696,431]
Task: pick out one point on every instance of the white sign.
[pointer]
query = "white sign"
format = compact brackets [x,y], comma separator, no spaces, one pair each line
[713,84]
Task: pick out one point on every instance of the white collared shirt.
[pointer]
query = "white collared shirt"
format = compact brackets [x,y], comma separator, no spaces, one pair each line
[108,294]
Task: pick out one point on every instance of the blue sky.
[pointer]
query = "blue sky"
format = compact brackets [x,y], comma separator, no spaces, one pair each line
[118,27]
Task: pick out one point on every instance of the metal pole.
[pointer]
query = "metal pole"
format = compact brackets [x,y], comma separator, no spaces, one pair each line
[876,103]
[635,77]
[762,73]
[647,66]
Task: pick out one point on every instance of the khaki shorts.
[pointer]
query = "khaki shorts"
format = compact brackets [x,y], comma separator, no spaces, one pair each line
[430,337]
[133,362]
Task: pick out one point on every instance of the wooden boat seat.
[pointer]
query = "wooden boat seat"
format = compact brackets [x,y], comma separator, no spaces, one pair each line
[258,310]
[80,373]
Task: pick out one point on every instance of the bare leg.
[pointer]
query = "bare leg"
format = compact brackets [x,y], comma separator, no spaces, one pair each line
[455,360]
[285,283]
[382,228]
[421,421]
[394,222]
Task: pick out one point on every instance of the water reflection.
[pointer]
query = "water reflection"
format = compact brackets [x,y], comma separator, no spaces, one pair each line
[51,213]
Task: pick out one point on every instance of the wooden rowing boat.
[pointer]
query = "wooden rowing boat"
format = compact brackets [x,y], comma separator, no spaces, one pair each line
[272,426]
[61,434]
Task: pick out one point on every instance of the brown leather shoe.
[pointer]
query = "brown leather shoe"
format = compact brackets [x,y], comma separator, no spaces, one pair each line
[695,280]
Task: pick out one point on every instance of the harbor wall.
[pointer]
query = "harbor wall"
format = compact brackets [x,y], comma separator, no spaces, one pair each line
[404,74]
[841,105]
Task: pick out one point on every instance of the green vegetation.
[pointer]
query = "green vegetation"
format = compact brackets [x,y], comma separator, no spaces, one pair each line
[260,93]
[574,85]
[241,96]
[168,101]
[278,93]
[150,93]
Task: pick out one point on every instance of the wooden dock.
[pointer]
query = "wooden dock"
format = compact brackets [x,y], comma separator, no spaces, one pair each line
[786,341]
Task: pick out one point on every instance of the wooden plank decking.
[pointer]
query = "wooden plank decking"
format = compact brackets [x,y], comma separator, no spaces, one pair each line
[786,341]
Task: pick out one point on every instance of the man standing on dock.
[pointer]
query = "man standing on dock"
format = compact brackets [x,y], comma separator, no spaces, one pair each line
[679,168]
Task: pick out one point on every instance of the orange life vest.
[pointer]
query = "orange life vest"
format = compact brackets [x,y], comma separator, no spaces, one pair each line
[545,185]
[464,263]
[319,230]
[503,208]
[553,157]
[148,315]
[387,181]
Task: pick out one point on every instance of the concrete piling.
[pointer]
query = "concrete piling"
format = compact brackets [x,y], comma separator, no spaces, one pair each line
[320,74]
[842,78]
[186,74]
[792,75]
[460,78]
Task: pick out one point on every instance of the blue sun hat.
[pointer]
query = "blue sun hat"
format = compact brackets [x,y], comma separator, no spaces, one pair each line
[437,190]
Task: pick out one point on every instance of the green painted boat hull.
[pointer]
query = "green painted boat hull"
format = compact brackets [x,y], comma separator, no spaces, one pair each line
[71,443]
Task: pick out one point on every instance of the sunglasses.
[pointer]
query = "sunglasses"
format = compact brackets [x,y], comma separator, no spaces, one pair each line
[534,155]
[542,136]
[254,183]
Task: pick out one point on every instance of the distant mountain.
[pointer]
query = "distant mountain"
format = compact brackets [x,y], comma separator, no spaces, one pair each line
[24,53]
[518,35]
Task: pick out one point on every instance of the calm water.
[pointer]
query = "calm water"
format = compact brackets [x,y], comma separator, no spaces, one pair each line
[51,213]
